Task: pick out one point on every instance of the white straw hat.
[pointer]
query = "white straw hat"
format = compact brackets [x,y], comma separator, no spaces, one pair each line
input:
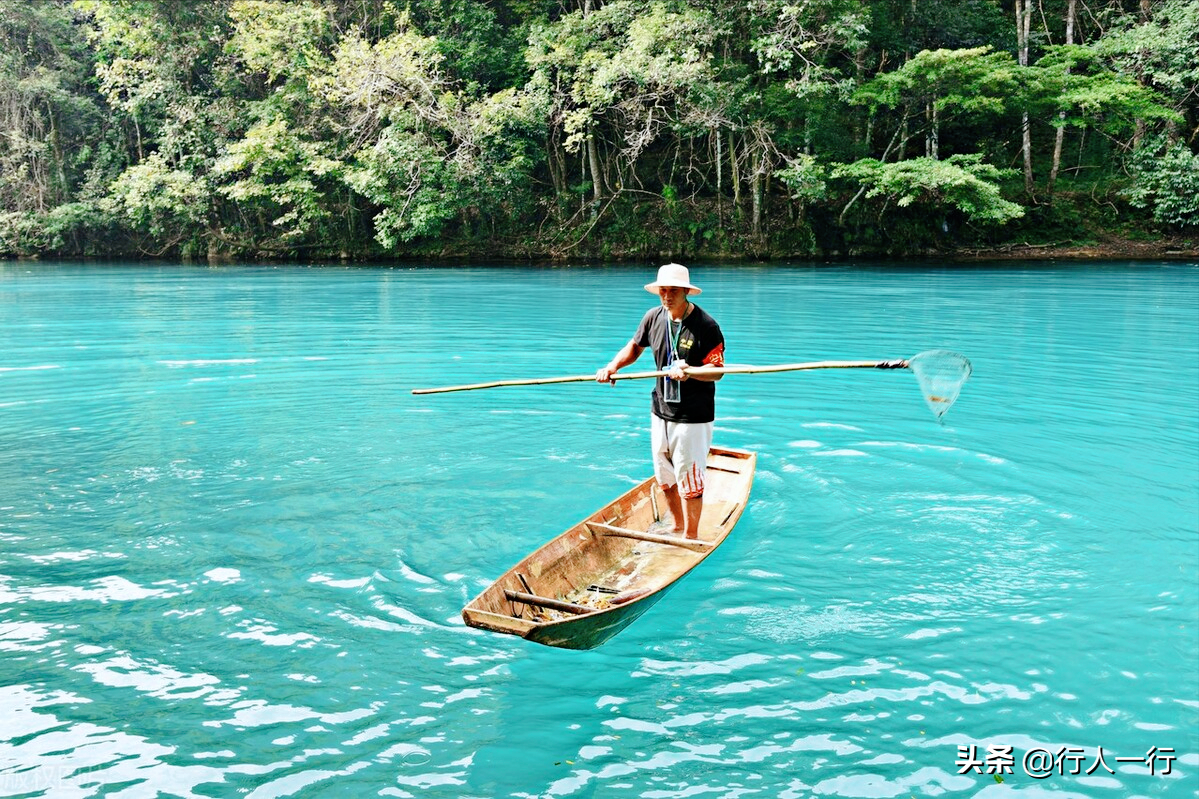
[675,275]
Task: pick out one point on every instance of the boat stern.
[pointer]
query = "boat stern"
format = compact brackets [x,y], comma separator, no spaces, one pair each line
[496,623]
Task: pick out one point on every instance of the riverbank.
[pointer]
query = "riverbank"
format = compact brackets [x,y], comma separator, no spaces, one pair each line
[1106,249]
[1173,248]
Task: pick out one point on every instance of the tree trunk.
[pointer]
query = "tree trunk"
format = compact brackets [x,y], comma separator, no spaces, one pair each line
[734,175]
[1142,127]
[932,142]
[1023,24]
[597,178]
[756,218]
[557,166]
[1061,130]
[719,179]
[58,187]
[756,196]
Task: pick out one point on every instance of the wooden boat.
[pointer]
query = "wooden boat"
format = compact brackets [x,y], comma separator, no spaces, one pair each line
[595,579]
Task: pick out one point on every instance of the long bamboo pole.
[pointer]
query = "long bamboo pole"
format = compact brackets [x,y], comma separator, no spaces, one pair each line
[746,369]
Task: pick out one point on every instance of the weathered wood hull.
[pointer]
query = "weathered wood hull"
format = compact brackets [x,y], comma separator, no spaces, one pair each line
[596,578]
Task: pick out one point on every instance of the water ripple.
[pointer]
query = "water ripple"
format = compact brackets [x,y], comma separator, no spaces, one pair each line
[234,548]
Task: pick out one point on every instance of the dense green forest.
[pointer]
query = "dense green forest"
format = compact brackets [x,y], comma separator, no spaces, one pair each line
[375,129]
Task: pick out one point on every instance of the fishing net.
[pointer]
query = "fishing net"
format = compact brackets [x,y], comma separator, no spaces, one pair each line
[941,374]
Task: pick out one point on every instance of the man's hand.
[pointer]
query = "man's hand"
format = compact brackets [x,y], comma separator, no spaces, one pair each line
[606,374]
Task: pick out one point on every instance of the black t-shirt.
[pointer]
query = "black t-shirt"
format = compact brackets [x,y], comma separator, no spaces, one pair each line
[700,342]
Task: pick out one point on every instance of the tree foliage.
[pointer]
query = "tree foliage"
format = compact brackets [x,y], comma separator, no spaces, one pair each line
[1166,181]
[376,128]
[961,182]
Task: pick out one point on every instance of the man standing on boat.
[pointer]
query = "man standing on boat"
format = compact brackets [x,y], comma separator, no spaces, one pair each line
[682,336]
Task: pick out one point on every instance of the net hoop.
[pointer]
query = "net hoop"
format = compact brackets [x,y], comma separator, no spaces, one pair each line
[941,374]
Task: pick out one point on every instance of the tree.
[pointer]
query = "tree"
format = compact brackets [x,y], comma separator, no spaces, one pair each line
[169,205]
[1162,52]
[56,154]
[417,146]
[1076,83]
[45,112]
[935,87]
[282,42]
[531,126]
[479,52]
[1023,45]
[274,171]
[1059,138]
[811,44]
[157,65]
[815,51]
[282,173]
[1165,179]
[960,182]
[619,79]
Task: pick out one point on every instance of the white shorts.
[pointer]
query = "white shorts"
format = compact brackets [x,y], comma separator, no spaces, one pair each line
[680,454]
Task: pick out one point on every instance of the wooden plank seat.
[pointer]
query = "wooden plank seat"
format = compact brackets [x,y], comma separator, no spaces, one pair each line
[623,532]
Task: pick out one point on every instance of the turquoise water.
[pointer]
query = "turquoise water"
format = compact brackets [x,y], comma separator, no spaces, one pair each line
[234,546]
